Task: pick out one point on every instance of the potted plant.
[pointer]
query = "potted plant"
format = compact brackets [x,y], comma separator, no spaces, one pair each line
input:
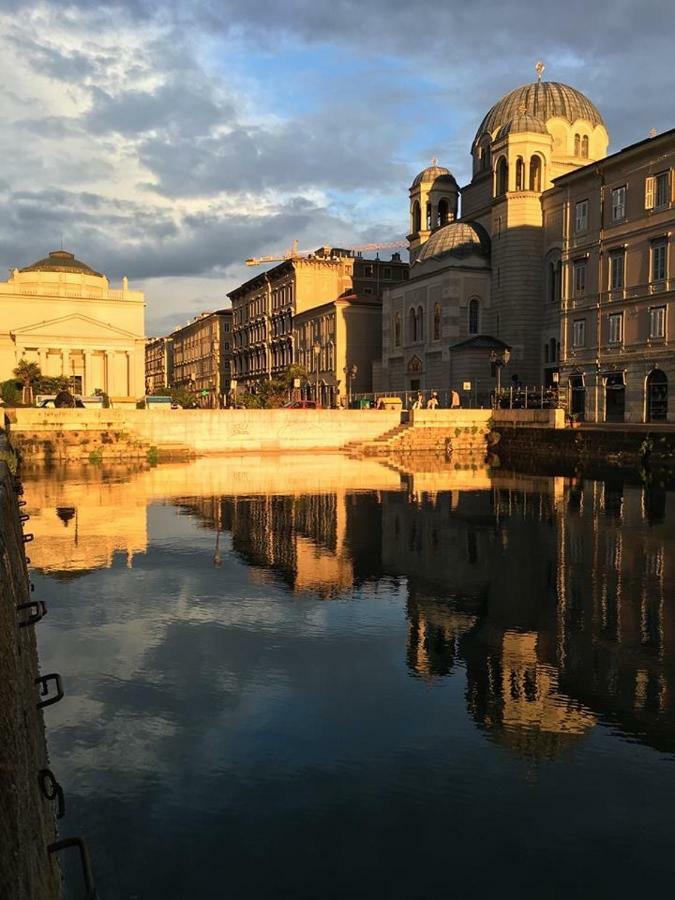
[574,420]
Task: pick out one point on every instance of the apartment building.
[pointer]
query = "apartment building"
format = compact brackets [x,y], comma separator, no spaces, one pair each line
[265,306]
[202,354]
[615,284]
[158,364]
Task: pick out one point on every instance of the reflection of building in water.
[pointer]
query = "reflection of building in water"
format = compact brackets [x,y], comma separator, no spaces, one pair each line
[78,527]
[558,601]
[302,539]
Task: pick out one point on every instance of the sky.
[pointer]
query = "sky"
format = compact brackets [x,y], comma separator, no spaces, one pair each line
[170,141]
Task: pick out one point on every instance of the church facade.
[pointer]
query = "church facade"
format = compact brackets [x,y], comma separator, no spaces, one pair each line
[61,314]
[477,280]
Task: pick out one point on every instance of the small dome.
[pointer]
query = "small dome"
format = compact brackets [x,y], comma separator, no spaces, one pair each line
[543,100]
[521,124]
[433,173]
[61,261]
[459,239]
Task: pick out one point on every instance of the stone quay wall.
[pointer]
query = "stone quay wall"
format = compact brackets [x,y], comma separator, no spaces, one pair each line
[119,434]
[27,824]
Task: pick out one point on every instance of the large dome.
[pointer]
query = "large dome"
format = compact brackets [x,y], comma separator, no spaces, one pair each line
[61,261]
[460,239]
[543,100]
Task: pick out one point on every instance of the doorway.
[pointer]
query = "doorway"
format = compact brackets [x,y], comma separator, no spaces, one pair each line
[657,396]
[615,398]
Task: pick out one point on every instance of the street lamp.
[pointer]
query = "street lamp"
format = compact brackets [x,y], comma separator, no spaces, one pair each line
[350,375]
[316,350]
[499,360]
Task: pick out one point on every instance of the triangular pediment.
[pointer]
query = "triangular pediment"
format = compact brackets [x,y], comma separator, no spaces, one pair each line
[74,326]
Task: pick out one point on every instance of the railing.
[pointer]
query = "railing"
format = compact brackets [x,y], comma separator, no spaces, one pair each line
[480,396]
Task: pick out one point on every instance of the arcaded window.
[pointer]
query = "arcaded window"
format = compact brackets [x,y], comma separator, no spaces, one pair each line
[442,212]
[577,145]
[412,325]
[420,323]
[502,177]
[437,322]
[584,146]
[397,330]
[428,216]
[520,174]
[474,315]
[416,217]
[535,173]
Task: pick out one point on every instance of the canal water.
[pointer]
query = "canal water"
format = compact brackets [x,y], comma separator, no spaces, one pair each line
[317,677]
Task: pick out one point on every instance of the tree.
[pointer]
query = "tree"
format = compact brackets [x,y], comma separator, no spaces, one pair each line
[29,374]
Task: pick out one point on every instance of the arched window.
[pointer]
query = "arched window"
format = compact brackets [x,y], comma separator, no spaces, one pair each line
[577,145]
[420,323]
[535,173]
[520,174]
[474,315]
[416,217]
[502,177]
[657,396]
[437,322]
[551,282]
[397,330]
[558,280]
[552,345]
[412,325]
[584,146]
[428,216]
[442,212]
[545,353]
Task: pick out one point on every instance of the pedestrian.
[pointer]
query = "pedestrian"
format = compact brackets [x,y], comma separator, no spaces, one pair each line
[432,403]
[454,400]
[419,403]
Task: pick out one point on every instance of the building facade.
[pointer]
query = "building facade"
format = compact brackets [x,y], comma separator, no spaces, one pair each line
[202,357]
[265,306]
[61,314]
[158,364]
[616,219]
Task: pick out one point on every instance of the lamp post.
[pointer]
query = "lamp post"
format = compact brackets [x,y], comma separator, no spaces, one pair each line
[316,350]
[499,360]
[350,374]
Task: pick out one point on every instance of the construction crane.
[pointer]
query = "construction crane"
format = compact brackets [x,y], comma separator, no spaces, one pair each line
[294,253]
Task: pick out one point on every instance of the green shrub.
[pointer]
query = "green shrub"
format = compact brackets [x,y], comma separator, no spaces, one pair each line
[96,457]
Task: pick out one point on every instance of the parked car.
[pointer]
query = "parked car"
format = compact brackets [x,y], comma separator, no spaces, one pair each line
[49,403]
[301,404]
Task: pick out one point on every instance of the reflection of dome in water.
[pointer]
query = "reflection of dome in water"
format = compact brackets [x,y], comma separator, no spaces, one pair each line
[65,513]
[516,698]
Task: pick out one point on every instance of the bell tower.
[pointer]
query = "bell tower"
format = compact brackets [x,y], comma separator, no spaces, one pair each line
[433,203]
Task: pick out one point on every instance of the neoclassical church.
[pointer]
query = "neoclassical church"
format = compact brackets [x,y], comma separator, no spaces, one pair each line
[477,279]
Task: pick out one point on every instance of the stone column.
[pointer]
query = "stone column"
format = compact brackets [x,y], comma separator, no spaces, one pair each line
[107,373]
[87,386]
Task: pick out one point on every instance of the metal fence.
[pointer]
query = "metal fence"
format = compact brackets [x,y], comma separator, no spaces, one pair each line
[481,396]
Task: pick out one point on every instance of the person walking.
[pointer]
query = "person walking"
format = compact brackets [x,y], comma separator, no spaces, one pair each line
[419,403]
[454,400]
[432,403]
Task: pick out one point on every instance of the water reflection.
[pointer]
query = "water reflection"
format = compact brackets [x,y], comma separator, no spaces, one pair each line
[555,594]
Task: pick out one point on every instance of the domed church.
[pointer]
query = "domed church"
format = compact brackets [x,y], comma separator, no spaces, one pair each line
[477,275]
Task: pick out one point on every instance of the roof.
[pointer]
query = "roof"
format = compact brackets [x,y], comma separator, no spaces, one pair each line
[543,100]
[61,261]
[433,173]
[523,123]
[481,342]
[459,239]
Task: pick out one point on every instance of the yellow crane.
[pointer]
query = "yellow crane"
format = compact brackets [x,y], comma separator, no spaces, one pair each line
[294,253]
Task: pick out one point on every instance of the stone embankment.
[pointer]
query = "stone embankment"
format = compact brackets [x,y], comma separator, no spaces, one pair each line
[27,823]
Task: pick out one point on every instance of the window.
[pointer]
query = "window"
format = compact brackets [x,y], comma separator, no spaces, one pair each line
[387,272]
[616,328]
[619,203]
[397,330]
[580,267]
[535,173]
[443,212]
[657,322]
[658,260]
[428,216]
[554,281]
[520,174]
[579,333]
[368,272]
[416,217]
[367,290]
[662,189]
[616,270]
[412,325]
[584,147]
[437,322]
[502,179]
[474,316]
[581,216]
[420,323]
[577,145]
